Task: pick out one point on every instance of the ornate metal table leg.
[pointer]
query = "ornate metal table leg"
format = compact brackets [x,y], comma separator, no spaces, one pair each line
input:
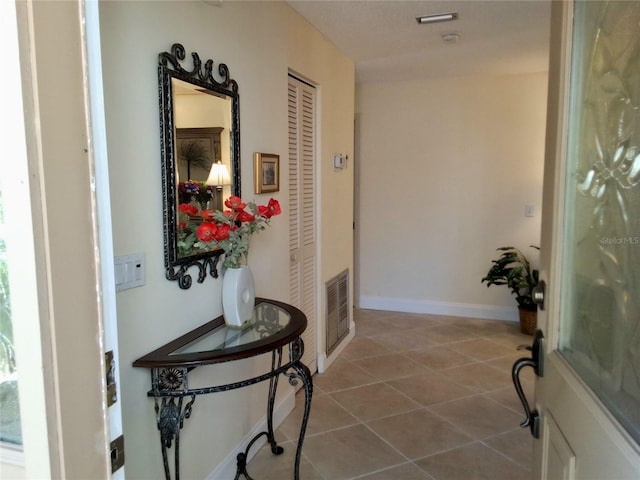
[241,459]
[276,362]
[302,372]
[241,465]
[170,416]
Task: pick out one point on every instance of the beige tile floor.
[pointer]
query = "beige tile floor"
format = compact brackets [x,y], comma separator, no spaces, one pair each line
[413,397]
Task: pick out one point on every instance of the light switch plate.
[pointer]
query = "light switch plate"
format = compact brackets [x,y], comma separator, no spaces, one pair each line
[129,271]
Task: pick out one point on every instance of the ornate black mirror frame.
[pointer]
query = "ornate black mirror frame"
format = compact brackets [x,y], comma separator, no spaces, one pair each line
[202,77]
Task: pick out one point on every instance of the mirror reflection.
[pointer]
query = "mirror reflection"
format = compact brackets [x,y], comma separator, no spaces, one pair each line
[200,135]
[203,144]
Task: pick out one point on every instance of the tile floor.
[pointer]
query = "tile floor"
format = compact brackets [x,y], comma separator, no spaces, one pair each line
[413,397]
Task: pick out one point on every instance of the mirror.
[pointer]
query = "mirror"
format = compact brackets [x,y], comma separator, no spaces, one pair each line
[200,146]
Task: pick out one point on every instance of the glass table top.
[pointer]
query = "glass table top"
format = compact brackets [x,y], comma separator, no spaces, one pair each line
[266,320]
[273,324]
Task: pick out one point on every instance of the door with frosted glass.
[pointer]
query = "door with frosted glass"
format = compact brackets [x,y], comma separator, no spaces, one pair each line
[589,394]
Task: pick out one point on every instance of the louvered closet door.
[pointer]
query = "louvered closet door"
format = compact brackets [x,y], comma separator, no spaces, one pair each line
[302,217]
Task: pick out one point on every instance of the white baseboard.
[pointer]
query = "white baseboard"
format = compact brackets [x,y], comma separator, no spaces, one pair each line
[440,308]
[324,362]
[227,469]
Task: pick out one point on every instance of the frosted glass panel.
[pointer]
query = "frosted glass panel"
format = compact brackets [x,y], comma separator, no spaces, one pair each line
[600,333]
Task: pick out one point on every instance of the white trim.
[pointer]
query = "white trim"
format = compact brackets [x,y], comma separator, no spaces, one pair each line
[492,312]
[105,255]
[325,362]
[12,462]
[227,469]
[11,454]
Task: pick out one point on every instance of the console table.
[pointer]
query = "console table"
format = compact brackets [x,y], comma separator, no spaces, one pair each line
[273,326]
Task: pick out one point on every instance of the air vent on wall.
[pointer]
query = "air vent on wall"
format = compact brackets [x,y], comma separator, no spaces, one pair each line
[337,308]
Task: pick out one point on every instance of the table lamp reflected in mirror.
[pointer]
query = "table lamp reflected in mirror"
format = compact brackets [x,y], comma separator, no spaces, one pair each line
[218,177]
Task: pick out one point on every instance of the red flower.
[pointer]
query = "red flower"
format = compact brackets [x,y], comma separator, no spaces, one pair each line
[271,209]
[188,208]
[206,232]
[234,203]
[244,216]
[222,233]
[182,225]
[206,215]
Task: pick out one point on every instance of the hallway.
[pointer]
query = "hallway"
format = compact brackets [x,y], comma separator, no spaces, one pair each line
[413,397]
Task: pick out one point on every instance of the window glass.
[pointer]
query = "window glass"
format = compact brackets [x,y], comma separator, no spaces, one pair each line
[600,334]
[10,430]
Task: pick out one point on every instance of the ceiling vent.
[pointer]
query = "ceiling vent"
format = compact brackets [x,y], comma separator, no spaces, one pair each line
[439,17]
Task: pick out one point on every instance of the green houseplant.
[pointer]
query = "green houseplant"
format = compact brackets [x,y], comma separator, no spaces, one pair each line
[513,269]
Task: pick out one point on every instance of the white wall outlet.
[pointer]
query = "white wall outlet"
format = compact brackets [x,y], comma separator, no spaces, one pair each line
[129,271]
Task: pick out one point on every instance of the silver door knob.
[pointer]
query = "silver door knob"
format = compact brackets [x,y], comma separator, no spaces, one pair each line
[537,294]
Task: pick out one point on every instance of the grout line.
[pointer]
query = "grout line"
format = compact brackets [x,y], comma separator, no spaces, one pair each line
[381,326]
[529,469]
[446,450]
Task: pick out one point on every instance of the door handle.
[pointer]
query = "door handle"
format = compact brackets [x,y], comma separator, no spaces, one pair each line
[537,363]
[537,294]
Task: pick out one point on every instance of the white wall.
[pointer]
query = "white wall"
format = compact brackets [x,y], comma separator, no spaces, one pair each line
[260,42]
[446,168]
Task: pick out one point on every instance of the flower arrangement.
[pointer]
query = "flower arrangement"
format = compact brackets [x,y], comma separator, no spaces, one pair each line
[230,230]
[194,190]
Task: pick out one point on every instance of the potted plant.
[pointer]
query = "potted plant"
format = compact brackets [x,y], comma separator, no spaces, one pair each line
[513,269]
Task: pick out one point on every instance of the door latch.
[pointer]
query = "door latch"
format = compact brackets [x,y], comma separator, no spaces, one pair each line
[117,453]
[537,363]
[112,389]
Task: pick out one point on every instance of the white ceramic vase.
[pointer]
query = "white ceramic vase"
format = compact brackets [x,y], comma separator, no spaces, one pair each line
[238,296]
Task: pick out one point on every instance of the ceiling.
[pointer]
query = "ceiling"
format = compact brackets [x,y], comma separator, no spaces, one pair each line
[387,43]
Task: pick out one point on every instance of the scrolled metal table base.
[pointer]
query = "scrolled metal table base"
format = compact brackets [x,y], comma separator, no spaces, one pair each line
[174,400]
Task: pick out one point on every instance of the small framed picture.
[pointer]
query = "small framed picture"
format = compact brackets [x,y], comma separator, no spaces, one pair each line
[267,172]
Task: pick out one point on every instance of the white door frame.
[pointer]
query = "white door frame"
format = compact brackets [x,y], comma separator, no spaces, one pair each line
[103,211]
